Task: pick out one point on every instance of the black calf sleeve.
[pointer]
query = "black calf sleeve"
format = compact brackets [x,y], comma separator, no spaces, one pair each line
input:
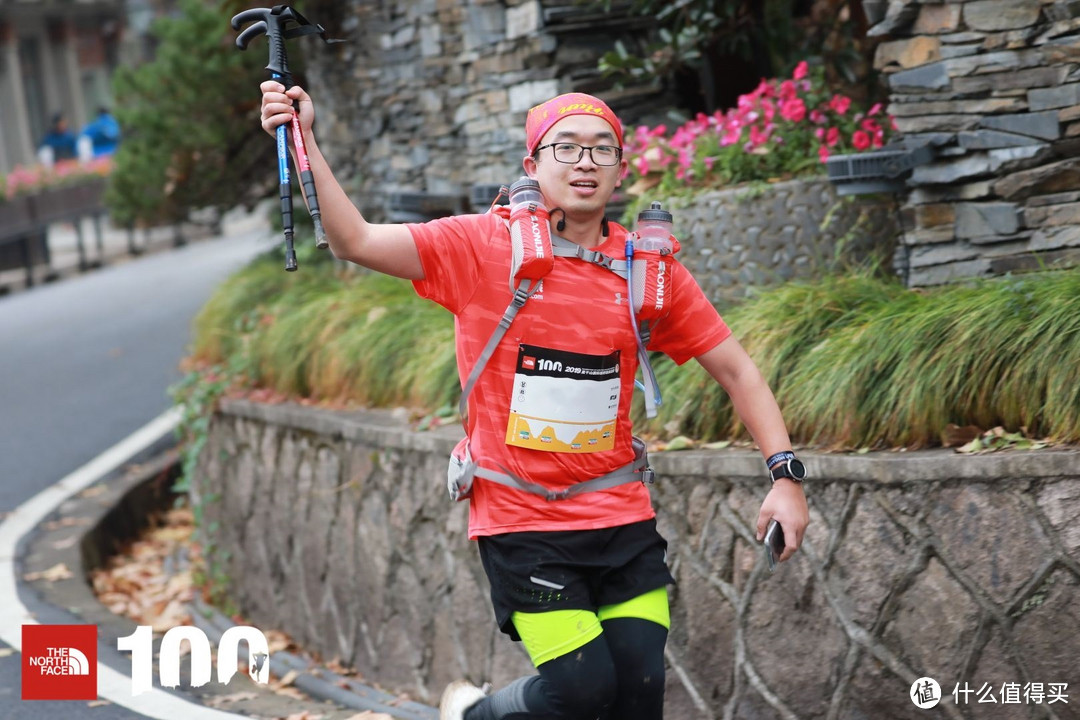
[637,650]
[577,686]
[618,676]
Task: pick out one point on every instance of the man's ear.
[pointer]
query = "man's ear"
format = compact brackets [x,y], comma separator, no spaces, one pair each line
[529,164]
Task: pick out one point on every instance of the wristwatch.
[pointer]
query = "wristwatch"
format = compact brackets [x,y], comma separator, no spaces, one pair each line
[790,468]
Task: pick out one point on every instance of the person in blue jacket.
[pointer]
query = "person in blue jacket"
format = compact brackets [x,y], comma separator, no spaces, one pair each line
[59,138]
[104,133]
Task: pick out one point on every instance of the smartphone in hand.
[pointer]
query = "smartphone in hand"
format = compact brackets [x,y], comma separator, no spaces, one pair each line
[774,543]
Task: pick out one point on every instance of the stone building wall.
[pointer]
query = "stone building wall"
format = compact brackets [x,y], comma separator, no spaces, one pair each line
[996,85]
[336,528]
[431,95]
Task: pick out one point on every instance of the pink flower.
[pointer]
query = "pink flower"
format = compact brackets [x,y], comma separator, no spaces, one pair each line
[794,110]
[731,135]
[758,136]
[709,162]
[870,126]
[787,90]
[874,109]
[817,117]
[833,136]
[658,131]
[800,71]
[840,104]
[641,165]
[686,158]
[819,133]
[879,138]
[823,153]
[860,140]
[768,110]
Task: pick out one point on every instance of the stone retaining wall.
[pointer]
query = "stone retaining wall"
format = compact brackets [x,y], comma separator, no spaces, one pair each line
[996,85]
[738,239]
[336,528]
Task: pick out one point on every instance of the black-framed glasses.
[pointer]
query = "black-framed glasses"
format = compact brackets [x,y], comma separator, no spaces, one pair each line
[570,153]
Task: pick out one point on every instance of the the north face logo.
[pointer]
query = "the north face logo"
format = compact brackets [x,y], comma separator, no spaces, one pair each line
[59,662]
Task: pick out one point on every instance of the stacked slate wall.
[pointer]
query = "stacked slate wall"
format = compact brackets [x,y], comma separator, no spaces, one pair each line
[995,84]
[431,95]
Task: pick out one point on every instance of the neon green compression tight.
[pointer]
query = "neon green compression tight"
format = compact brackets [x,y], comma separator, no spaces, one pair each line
[552,634]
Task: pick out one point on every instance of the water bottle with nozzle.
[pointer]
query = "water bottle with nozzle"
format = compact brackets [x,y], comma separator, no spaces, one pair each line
[653,230]
[525,190]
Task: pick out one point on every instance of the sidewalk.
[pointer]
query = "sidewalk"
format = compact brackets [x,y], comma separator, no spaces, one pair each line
[103,244]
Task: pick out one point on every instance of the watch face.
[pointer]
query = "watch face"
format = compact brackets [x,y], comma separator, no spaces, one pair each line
[798,470]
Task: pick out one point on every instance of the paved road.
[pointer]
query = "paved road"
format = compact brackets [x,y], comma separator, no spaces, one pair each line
[84,363]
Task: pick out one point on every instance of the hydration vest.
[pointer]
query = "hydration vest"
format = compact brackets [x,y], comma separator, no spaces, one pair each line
[532,258]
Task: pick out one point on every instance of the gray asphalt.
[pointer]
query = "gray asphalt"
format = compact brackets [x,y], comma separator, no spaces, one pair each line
[83,364]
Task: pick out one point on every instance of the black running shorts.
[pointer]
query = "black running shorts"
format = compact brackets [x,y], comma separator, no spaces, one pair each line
[572,569]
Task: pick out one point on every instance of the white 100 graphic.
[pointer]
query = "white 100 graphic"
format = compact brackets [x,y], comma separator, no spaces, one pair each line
[141,645]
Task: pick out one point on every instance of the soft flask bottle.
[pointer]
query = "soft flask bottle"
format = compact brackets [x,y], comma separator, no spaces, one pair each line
[530,233]
[654,230]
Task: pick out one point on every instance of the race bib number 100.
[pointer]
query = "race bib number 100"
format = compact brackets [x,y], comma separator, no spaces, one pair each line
[564,401]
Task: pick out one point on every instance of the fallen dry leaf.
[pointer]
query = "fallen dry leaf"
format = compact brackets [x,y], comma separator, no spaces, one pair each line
[288,679]
[65,522]
[134,583]
[6,652]
[56,572]
[65,543]
[277,641]
[98,703]
[220,700]
[291,692]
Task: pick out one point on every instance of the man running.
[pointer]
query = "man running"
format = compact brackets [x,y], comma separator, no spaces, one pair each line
[580,578]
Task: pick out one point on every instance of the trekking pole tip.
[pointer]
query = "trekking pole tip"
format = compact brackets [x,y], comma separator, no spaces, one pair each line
[320,235]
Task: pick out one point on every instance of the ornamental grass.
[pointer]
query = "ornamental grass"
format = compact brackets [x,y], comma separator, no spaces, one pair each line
[856,361]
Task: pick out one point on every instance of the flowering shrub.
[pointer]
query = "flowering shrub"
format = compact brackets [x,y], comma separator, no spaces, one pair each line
[29,180]
[782,128]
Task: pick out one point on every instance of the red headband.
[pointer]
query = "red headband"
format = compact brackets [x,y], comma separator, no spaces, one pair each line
[542,117]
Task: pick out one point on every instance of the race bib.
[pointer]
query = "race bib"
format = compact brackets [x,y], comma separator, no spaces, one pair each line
[564,401]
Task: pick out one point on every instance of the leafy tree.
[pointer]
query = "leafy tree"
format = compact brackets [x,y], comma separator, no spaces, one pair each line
[189,118]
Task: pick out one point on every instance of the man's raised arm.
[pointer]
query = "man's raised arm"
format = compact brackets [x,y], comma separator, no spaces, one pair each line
[386,248]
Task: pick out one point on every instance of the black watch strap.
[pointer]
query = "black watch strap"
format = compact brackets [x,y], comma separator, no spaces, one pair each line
[791,468]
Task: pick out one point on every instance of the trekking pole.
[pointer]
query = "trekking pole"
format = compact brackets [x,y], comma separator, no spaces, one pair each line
[273,22]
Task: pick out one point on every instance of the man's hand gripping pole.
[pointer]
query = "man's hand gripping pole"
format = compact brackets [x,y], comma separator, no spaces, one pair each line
[273,22]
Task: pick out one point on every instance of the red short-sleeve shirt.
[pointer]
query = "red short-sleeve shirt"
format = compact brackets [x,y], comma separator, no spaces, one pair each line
[578,318]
